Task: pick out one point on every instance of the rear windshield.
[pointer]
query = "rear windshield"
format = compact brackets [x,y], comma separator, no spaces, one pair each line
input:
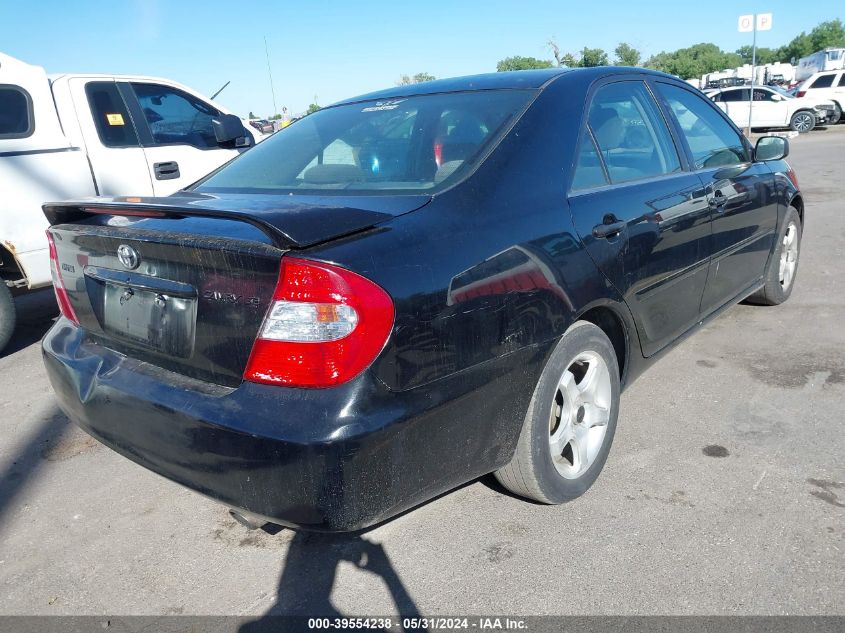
[403,145]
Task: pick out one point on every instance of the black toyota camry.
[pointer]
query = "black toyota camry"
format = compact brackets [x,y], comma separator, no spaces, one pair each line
[412,288]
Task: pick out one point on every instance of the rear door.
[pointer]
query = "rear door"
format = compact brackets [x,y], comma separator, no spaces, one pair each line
[741,194]
[177,135]
[643,219]
[111,138]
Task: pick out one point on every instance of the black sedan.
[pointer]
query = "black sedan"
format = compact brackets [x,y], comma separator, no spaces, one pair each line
[413,288]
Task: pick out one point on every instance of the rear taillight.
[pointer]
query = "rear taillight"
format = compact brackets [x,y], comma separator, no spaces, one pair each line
[58,283]
[800,93]
[325,326]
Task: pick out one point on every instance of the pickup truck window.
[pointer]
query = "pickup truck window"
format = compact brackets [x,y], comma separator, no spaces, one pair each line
[114,126]
[176,117]
[15,112]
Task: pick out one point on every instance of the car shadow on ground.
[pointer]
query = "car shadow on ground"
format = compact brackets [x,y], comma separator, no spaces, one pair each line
[36,312]
[308,577]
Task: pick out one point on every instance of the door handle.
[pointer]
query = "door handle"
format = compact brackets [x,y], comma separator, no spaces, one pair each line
[717,202]
[166,171]
[608,230]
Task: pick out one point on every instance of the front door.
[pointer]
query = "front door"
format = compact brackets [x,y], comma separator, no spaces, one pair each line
[643,220]
[180,147]
[741,194]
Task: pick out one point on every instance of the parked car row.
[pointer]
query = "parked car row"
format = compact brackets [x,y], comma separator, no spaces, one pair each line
[774,108]
[76,135]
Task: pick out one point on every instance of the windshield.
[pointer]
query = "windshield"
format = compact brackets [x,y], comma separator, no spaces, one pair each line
[403,145]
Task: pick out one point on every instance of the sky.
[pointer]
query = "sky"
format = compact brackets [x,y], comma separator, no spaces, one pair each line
[330,50]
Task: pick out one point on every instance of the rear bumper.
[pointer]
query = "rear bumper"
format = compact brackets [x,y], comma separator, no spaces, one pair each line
[330,460]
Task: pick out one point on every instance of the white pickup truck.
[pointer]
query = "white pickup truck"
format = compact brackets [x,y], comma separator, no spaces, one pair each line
[72,136]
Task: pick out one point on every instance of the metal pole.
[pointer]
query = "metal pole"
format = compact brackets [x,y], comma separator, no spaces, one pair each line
[269,72]
[753,64]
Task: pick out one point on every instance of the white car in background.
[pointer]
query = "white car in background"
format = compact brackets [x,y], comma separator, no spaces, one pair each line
[73,136]
[773,108]
[826,85]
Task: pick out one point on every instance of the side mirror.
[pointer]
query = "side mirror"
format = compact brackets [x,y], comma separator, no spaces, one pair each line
[771,148]
[227,128]
[777,98]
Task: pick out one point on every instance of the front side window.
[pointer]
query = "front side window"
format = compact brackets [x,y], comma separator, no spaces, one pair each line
[114,127]
[175,117]
[841,80]
[711,139]
[823,81]
[630,133]
[15,112]
[404,145]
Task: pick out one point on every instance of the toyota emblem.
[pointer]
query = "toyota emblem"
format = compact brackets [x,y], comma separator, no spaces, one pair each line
[128,256]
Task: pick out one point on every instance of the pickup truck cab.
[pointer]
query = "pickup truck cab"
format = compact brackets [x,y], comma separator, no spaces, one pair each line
[69,136]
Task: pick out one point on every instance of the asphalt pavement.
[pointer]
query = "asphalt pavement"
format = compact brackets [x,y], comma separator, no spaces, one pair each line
[724,492]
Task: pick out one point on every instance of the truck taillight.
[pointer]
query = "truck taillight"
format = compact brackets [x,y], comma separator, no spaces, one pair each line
[800,93]
[324,327]
[58,283]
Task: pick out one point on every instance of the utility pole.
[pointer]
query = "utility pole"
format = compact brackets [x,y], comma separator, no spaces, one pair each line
[270,73]
[752,23]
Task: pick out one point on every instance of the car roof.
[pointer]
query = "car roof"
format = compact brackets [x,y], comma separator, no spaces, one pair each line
[511,80]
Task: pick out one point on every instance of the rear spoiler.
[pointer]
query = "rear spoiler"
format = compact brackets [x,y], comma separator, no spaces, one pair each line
[71,211]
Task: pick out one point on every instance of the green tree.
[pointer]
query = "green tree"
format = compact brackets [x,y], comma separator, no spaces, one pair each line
[405,80]
[312,108]
[627,55]
[694,61]
[518,62]
[764,55]
[824,35]
[593,57]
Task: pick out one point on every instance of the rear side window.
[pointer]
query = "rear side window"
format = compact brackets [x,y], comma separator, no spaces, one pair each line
[711,139]
[406,144]
[114,127]
[15,112]
[735,95]
[823,81]
[630,133]
[175,117]
[589,172]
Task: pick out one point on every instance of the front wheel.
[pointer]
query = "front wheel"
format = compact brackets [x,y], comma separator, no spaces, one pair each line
[837,114]
[569,427]
[7,314]
[802,121]
[780,273]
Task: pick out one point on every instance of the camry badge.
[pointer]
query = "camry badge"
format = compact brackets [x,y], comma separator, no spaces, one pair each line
[128,256]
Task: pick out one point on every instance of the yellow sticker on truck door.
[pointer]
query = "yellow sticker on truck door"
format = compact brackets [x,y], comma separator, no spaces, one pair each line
[115,119]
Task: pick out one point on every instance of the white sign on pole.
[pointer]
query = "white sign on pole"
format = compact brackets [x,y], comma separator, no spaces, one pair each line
[764,21]
[746,23]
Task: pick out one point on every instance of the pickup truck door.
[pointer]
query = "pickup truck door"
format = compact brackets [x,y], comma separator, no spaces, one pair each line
[111,139]
[177,135]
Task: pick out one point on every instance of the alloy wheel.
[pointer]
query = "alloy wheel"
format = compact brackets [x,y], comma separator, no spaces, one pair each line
[788,256]
[579,414]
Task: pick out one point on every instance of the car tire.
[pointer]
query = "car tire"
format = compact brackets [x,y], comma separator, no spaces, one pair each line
[837,114]
[571,420]
[783,264]
[802,121]
[8,314]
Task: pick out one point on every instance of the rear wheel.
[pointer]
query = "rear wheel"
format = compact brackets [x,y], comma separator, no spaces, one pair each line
[7,314]
[571,420]
[783,264]
[802,121]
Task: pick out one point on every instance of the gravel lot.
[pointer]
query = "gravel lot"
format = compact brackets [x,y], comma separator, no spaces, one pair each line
[724,492]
